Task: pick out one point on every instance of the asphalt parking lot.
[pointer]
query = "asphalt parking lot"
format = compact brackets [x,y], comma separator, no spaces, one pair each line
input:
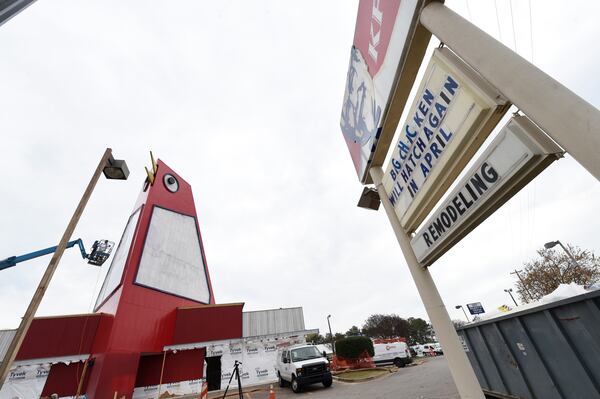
[430,380]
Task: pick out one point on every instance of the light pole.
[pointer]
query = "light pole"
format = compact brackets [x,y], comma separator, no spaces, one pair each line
[552,244]
[112,169]
[331,335]
[463,309]
[523,283]
[509,291]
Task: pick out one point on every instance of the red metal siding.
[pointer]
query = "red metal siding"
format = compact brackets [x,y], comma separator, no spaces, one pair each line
[180,366]
[64,379]
[208,323]
[103,334]
[60,336]
[113,372]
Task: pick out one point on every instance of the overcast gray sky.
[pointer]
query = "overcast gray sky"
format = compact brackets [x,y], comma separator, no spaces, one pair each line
[243,100]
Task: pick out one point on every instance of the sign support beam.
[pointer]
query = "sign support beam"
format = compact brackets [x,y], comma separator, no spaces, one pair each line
[460,367]
[571,121]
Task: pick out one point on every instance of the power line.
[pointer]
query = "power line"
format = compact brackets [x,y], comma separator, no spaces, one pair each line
[512,20]
[530,30]
[468,10]
[498,20]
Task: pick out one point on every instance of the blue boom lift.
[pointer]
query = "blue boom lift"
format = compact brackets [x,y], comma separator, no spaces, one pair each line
[101,250]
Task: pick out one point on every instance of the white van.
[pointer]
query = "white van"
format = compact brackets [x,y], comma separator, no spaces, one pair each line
[301,365]
[396,353]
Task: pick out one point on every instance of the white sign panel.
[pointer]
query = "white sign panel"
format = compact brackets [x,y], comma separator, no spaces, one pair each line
[517,155]
[453,113]
[172,258]
[380,37]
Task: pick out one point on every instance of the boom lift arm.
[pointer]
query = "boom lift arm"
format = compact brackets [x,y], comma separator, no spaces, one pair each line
[101,250]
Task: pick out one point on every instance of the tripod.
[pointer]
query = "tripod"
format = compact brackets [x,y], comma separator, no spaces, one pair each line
[236,373]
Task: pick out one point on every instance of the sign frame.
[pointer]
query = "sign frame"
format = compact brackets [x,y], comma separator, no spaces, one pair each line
[465,143]
[542,152]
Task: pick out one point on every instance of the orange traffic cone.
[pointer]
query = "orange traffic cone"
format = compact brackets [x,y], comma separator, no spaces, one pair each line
[271,393]
[204,390]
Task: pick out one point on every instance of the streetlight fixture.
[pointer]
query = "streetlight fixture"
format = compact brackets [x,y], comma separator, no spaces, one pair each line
[331,335]
[463,309]
[115,169]
[369,199]
[509,292]
[112,169]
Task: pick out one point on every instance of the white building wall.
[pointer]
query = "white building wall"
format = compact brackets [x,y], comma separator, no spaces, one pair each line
[272,321]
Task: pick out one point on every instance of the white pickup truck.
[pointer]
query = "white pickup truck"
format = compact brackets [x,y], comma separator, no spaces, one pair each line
[302,365]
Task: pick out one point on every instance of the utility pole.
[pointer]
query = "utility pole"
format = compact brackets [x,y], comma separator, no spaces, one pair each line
[107,165]
[523,283]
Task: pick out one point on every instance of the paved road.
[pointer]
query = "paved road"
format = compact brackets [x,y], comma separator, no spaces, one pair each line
[430,380]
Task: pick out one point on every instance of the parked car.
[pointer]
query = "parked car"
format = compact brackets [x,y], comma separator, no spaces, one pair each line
[302,365]
[396,353]
[413,351]
[417,349]
[432,348]
[325,349]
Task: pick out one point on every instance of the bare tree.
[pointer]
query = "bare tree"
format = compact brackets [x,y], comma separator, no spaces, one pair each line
[543,275]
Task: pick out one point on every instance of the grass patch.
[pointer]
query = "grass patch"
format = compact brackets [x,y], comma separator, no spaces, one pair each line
[360,375]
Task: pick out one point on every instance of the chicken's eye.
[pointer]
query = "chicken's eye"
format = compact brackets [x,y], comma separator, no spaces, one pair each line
[171,183]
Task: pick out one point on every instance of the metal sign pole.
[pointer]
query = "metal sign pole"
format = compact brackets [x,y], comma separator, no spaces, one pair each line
[462,372]
[567,118]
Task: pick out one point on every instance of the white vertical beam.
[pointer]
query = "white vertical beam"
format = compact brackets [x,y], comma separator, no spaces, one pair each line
[460,367]
[567,118]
